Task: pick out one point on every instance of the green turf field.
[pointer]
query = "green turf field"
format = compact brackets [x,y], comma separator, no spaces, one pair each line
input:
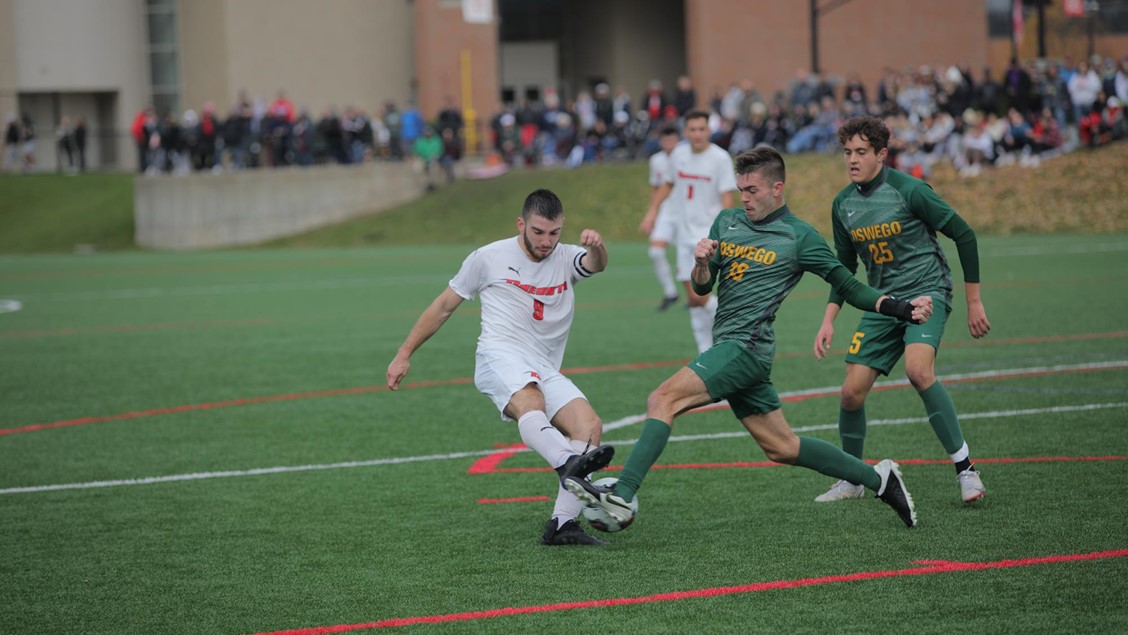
[200,443]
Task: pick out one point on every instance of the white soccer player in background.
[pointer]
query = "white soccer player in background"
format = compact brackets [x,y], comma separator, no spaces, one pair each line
[526,287]
[665,226]
[701,183]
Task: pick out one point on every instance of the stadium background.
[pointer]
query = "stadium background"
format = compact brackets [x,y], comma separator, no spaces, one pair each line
[107,59]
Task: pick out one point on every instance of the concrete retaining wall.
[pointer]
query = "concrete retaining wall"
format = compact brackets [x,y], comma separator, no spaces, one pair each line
[200,211]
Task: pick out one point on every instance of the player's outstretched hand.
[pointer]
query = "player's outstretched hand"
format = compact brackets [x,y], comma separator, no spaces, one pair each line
[922,309]
[397,370]
[977,321]
[591,238]
[704,251]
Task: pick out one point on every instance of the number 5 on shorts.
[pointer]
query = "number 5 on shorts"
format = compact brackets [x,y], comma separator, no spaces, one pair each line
[856,343]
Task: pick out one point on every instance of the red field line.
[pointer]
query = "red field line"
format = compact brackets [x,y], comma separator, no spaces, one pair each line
[487,466]
[519,499]
[466,380]
[139,328]
[925,568]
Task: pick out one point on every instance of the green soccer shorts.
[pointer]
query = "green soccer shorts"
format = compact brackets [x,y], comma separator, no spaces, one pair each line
[880,340]
[732,371]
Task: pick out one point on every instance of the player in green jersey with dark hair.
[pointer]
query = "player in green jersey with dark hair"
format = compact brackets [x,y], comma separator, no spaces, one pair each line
[889,220]
[755,256]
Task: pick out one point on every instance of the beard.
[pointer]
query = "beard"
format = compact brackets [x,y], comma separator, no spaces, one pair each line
[532,250]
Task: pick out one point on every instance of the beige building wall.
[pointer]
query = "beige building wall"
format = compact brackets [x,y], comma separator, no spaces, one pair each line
[8,86]
[204,60]
[55,57]
[327,53]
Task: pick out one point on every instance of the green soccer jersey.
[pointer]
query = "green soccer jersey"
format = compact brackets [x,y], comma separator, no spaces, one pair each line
[757,264]
[890,223]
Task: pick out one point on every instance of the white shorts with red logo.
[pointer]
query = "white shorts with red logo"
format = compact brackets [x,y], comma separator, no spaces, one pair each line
[499,374]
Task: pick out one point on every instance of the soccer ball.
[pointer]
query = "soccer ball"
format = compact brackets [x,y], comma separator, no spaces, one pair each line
[603,521]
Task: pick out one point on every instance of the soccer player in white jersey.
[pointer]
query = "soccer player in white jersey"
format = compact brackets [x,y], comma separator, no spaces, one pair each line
[526,287]
[665,228]
[699,186]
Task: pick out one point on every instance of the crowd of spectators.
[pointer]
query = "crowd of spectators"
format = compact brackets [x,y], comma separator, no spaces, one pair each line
[1027,113]
[1024,114]
[255,134]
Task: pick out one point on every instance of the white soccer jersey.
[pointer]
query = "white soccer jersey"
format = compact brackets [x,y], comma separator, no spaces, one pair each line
[699,179]
[665,223]
[526,306]
[659,168]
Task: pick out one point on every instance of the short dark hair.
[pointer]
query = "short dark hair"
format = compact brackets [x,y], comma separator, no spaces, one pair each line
[869,128]
[670,130]
[697,114]
[764,159]
[542,203]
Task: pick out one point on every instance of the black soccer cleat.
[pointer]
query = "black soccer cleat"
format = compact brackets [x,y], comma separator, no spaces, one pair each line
[581,465]
[893,493]
[667,302]
[570,533]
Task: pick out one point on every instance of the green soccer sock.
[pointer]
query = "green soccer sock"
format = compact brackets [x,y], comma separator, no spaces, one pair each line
[650,444]
[852,431]
[942,415]
[824,458]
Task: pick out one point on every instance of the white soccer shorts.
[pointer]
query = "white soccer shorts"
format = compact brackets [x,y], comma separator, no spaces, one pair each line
[665,227]
[684,261]
[499,374]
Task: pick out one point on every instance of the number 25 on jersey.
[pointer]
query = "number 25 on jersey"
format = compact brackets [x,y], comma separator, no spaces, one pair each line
[880,253]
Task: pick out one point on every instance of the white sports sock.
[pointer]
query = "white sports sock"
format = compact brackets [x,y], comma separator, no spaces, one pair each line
[961,454]
[662,271]
[567,505]
[540,435]
[701,318]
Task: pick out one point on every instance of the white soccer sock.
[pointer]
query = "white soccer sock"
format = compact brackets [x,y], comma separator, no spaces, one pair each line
[540,435]
[961,454]
[701,318]
[662,271]
[567,505]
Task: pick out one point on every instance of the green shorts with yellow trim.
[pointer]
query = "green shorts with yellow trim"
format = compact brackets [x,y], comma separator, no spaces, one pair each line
[732,371]
[880,340]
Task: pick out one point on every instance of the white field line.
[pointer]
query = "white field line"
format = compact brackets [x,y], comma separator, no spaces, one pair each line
[462,455]
[987,374]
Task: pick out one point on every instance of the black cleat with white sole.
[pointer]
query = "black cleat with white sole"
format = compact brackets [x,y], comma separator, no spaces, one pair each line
[893,493]
[581,465]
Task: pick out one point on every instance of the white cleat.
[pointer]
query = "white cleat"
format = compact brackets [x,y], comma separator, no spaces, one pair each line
[971,486]
[591,494]
[841,491]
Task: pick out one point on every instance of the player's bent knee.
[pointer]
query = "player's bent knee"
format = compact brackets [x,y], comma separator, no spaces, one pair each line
[920,379]
[852,399]
[778,454]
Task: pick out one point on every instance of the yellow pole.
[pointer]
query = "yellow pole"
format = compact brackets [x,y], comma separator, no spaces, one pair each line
[469,116]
